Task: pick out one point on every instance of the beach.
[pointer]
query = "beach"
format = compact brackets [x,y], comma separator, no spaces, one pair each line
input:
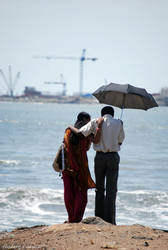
[31,192]
[91,233]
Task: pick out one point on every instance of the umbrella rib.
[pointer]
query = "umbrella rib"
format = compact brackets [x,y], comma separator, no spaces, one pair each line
[144,104]
[123,103]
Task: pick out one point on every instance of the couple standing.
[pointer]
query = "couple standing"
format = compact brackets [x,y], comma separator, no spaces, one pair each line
[106,134]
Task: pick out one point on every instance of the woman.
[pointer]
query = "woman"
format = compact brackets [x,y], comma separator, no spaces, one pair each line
[76,176]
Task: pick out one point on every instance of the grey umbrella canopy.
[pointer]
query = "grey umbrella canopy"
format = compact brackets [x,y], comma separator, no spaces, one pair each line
[125,96]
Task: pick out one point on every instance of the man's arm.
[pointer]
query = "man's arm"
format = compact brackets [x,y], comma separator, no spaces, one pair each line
[87,129]
[97,134]
[95,138]
[75,130]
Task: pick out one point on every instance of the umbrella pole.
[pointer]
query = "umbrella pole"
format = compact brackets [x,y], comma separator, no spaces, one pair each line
[123,105]
[121,113]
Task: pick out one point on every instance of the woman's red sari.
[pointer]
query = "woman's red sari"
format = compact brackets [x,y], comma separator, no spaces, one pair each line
[76,176]
[76,161]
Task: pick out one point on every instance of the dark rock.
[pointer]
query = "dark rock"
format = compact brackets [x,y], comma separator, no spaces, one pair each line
[141,238]
[94,220]
[146,244]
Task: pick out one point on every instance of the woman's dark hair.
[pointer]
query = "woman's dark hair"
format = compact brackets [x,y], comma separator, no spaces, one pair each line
[80,122]
[81,119]
[107,110]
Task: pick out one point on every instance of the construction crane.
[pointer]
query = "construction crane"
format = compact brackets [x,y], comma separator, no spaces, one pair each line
[81,60]
[62,82]
[10,83]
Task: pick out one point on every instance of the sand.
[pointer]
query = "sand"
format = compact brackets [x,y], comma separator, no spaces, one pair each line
[91,233]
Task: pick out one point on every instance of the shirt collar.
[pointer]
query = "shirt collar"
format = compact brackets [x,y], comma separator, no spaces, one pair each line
[108,116]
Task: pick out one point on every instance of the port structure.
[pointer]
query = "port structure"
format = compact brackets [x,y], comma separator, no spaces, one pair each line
[81,59]
[62,82]
[10,83]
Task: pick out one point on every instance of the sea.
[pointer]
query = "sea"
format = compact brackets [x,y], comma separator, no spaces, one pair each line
[31,192]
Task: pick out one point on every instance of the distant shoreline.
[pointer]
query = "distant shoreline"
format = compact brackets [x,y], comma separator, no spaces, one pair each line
[162,101]
[48,99]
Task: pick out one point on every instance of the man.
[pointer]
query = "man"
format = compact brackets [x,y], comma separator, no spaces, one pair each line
[106,162]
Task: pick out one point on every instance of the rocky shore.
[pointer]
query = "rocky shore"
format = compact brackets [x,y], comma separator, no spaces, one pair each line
[91,234]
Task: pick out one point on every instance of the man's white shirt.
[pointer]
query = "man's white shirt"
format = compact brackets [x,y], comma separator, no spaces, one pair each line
[112,134]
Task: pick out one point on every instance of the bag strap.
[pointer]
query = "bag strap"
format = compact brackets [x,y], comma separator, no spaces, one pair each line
[63,160]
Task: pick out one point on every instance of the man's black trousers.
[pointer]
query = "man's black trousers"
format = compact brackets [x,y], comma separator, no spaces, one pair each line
[106,174]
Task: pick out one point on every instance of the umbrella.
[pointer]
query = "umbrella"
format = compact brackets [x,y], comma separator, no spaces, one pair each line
[125,96]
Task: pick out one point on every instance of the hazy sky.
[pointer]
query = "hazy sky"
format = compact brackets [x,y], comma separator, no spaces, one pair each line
[129,38]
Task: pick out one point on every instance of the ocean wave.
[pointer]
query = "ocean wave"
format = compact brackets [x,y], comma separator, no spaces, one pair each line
[138,192]
[30,199]
[9,162]
[146,207]
[9,121]
[25,206]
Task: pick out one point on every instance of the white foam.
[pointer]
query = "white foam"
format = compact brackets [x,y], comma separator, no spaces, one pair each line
[161,193]
[9,162]
[26,205]
[30,199]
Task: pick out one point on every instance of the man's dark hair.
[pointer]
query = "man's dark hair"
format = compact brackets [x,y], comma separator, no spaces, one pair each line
[107,110]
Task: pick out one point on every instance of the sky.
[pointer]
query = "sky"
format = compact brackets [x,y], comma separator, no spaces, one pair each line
[129,38]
